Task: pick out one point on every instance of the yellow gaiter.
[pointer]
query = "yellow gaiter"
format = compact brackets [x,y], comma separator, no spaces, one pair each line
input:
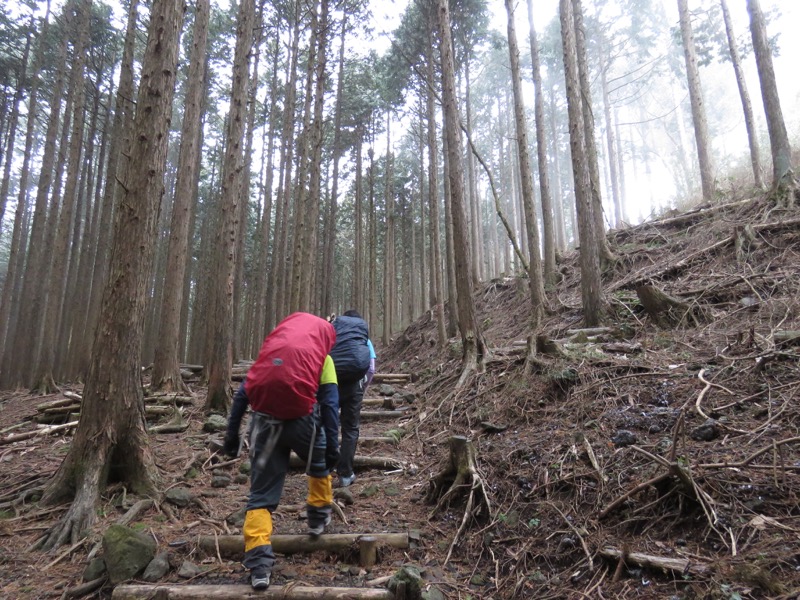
[320,491]
[257,528]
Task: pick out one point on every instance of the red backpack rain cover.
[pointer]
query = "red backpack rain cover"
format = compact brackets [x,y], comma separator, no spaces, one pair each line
[284,379]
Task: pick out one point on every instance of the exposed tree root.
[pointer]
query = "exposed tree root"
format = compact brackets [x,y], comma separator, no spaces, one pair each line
[77,520]
[459,474]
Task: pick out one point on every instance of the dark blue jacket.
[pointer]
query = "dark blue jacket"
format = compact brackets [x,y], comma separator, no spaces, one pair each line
[351,353]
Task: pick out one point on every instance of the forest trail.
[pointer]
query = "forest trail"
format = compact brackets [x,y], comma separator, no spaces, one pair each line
[371,534]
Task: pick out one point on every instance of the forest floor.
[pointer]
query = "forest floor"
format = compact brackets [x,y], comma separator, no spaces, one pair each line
[669,438]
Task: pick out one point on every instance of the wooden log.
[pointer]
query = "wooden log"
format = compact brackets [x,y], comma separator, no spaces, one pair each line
[44,406]
[386,402]
[169,428]
[192,368]
[676,565]
[30,434]
[169,399]
[359,462]
[232,546]
[64,409]
[378,439]
[374,415]
[368,551]
[386,377]
[238,592]
[786,337]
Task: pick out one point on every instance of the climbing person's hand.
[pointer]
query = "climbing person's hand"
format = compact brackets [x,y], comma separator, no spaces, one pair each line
[232,445]
[331,457]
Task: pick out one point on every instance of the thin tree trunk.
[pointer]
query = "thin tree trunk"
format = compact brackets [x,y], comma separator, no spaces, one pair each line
[744,95]
[219,366]
[778,137]
[535,276]
[589,259]
[589,137]
[437,291]
[473,346]
[111,441]
[548,213]
[698,106]
[166,375]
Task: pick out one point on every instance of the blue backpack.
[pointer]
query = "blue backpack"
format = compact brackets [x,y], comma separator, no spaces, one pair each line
[350,354]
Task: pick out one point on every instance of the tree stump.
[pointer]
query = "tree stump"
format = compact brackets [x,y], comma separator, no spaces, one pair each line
[665,310]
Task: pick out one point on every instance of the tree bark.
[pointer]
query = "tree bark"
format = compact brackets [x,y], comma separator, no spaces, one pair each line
[696,98]
[548,213]
[473,346]
[744,95]
[219,372]
[589,260]
[437,302]
[535,276]
[111,441]
[778,136]
[166,374]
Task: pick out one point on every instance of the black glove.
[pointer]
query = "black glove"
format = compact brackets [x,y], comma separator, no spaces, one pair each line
[331,457]
[232,445]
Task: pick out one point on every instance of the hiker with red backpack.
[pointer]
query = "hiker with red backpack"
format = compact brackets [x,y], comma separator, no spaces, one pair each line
[353,356]
[293,392]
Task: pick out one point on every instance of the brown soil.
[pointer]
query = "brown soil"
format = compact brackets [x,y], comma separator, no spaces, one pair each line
[706,410]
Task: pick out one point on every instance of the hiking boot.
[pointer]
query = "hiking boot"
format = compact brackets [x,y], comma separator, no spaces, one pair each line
[259,579]
[346,480]
[316,530]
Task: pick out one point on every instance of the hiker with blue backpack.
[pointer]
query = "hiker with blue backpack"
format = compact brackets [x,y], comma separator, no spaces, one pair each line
[354,358]
[293,393]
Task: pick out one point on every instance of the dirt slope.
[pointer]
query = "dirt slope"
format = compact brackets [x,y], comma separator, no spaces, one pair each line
[678,441]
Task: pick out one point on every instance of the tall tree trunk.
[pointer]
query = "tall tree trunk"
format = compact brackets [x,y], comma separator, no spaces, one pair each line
[778,137]
[219,366]
[329,253]
[315,171]
[473,346]
[14,121]
[358,297]
[111,440]
[611,145]
[9,303]
[262,305]
[61,250]
[698,106]
[22,343]
[548,214]
[589,259]
[389,250]
[589,138]
[279,274]
[437,289]
[166,374]
[121,129]
[744,96]
[535,276]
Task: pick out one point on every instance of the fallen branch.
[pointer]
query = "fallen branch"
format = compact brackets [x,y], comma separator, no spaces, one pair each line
[236,592]
[31,434]
[232,546]
[682,566]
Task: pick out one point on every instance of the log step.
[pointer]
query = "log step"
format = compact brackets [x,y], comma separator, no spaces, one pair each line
[391,378]
[359,462]
[232,546]
[374,415]
[238,592]
[386,403]
[376,440]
